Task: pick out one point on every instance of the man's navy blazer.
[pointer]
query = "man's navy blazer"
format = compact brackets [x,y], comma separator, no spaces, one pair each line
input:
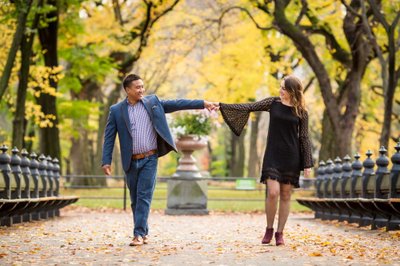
[118,122]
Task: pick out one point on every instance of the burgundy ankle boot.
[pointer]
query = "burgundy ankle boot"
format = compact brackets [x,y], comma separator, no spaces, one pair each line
[279,238]
[269,232]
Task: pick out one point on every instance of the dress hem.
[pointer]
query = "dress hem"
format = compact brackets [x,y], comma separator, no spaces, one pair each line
[284,178]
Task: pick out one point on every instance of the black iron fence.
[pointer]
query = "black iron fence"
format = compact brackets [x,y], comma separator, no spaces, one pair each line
[29,187]
[77,182]
[365,192]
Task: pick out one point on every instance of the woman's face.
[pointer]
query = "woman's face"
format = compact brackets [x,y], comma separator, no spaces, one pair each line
[283,92]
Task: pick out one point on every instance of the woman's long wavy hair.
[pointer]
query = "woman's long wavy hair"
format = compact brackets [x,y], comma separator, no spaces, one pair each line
[294,88]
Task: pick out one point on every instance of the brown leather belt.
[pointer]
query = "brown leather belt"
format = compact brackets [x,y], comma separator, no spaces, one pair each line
[143,155]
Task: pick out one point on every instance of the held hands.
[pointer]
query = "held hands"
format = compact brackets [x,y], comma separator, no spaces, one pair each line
[106,169]
[307,172]
[211,106]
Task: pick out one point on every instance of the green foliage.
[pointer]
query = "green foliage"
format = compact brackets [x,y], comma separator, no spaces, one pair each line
[218,168]
[188,55]
[70,83]
[235,198]
[77,115]
[192,123]
[84,64]
[167,164]
[77,109]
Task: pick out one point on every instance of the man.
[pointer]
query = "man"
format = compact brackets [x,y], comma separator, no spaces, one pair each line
[143,137]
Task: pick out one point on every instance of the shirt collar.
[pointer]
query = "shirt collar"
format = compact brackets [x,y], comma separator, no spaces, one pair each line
[127,101]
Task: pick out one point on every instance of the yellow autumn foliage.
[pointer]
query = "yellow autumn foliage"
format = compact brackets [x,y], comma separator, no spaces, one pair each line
[40,80]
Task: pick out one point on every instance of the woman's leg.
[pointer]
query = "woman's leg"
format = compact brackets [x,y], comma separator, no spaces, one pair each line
[271,201]
[284,205]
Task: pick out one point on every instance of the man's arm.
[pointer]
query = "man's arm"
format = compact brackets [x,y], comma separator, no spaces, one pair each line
[184,104]
[108,145]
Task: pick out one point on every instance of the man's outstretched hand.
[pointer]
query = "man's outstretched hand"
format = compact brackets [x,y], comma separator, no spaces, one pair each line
[307,172]
[106,169]
[211,106]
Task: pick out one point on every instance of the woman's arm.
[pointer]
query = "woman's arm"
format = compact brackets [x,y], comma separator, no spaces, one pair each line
[237,115]
[305,143]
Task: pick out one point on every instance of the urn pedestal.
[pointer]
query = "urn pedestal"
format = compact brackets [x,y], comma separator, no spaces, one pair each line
[187,189]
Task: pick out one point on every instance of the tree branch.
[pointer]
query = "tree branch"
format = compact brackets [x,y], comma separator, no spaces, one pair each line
[308,85]
[117,12]
[303,11]
[397,73]
[308,50]
[264,6]
[350,9]
[248,14]
[375,88]
[395,21]
[372,40]
[147,25]
[340,54]
[378,14]
[23,8]
[395,139]
[167,10]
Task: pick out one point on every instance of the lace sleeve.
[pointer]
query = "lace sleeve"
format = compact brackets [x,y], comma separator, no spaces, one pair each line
[305,143]
[236,115]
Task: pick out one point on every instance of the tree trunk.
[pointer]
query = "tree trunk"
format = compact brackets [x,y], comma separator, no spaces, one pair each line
[79,155]
[237,158]
[23,7]
[82,153]
[387,117]
[254,158]
[342,109]
[49,136]
[328,149]
[19,116]
[30,132]
[19,123]
[389,92]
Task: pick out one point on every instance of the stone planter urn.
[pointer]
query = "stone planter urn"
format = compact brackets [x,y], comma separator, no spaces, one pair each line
[187,164]
[187,190]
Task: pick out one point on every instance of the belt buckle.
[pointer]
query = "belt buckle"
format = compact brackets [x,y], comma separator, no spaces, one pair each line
[143,155]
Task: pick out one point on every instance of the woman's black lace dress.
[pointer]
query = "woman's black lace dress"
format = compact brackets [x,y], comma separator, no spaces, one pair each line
[288,148]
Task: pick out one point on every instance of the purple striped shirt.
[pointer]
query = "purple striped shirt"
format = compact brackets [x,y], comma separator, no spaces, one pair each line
[143,133]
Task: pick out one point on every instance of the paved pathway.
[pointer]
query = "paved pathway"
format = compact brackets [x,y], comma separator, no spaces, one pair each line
[85,237]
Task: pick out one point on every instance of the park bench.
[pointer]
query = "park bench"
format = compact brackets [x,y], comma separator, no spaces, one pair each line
[356,193]
[29,188]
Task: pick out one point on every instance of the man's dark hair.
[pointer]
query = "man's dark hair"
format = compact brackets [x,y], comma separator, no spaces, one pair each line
[128,80]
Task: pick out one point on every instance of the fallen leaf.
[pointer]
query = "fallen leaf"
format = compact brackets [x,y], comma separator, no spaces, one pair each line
[315,254]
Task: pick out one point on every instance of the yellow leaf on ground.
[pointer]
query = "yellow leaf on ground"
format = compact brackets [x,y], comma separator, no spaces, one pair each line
[327,243]
[315,254]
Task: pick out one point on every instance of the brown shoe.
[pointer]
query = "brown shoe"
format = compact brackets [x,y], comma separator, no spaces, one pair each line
[136,241]
[279,238]
[269,232]
[145,239]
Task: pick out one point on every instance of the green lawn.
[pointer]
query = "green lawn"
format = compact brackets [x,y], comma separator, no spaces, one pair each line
[237,198]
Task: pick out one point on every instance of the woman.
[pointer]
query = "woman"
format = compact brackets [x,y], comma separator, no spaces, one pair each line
[288,148]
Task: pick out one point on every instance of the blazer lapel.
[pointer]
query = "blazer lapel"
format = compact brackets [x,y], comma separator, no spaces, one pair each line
[147,106]
[125,115]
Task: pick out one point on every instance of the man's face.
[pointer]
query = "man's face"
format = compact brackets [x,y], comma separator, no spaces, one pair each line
[135,91]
